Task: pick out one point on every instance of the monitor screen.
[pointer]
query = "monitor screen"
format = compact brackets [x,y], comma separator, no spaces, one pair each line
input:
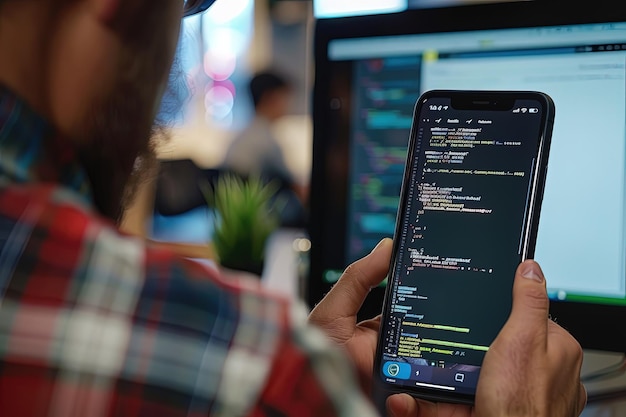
[364,100]
[324,9]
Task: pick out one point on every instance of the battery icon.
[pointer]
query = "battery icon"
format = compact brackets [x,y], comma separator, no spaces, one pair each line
[533,110]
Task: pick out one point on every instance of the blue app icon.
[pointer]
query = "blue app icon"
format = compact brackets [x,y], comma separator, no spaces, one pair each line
[397,370]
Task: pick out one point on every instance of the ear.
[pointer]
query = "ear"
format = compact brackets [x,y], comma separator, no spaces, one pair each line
[105,10]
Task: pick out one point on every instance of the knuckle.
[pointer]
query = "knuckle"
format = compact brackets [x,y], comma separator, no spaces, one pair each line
[569,349]
[535,298]
[351,270]
[354,276]
[575,349]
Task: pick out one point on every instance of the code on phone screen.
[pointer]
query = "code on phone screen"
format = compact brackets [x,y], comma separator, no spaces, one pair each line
[460,241]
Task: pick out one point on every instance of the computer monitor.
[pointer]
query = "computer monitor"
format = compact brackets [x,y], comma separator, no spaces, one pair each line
[371,69]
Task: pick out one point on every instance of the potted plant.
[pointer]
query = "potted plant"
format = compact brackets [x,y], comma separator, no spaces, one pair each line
[246,214]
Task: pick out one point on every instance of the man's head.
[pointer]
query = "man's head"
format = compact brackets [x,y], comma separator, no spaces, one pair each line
[270,94]
[96,69]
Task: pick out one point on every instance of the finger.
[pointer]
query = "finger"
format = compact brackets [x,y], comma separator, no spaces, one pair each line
[372,324]
[530,302]
[347,296]
[402,405]
[582,399]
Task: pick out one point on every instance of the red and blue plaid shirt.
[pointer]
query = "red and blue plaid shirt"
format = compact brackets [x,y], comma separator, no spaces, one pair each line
[95,323]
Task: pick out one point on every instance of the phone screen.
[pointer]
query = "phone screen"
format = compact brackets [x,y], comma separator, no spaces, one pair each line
[469,187]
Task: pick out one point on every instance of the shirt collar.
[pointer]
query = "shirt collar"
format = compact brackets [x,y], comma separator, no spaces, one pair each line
[32,151]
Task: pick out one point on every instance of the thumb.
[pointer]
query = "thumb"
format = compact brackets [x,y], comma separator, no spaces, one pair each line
[347,296]
[530,301]
[401,405]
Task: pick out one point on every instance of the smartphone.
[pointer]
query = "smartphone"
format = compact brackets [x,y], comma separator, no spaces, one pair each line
[468,215]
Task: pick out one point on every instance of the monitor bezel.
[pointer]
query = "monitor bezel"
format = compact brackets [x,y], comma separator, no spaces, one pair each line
[580,319]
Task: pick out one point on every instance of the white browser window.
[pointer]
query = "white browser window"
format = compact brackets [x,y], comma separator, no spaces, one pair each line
[341,8]
[581,235]
[581,242]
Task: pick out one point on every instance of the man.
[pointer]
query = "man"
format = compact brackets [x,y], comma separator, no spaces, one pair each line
[256,151]
[95,323]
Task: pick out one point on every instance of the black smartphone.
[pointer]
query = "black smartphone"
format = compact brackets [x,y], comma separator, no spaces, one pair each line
[468,215]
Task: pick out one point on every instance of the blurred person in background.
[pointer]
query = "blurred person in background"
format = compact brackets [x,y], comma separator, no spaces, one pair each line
[256,149]
[94,322]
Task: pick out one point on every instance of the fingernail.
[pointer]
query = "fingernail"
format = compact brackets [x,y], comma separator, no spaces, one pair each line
[532,271]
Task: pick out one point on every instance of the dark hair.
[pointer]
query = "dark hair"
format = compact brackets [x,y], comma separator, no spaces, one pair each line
[265,82]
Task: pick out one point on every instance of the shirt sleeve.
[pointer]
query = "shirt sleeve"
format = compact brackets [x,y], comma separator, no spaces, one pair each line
[277,364]
[311,377]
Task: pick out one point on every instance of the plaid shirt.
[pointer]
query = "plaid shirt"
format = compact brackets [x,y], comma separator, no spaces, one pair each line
[94,323]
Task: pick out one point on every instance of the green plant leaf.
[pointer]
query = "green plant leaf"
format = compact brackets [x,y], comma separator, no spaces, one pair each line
[246,214]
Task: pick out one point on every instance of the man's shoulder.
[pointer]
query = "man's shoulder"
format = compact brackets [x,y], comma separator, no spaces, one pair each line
[24,201]
[156,320]
[48,236]
[64,221]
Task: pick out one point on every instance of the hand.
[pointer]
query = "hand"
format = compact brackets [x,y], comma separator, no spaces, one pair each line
[531,369]
[336,314]
[533,366]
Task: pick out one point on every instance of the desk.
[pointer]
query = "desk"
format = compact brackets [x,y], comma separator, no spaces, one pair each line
[594,361]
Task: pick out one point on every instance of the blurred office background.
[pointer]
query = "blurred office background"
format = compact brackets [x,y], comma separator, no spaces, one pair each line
[219,52]
[207,104]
